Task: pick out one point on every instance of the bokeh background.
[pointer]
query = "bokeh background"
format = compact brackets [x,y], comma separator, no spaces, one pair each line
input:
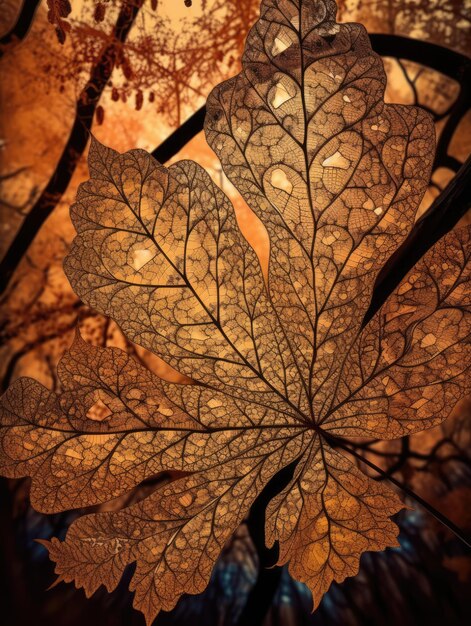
[152,83]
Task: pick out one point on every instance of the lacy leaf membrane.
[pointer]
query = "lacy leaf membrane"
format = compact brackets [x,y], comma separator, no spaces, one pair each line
[282,368]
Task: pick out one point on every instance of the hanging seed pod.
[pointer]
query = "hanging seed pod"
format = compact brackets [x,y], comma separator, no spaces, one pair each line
[127,69]
[100,11]
[60,35]
[100,115]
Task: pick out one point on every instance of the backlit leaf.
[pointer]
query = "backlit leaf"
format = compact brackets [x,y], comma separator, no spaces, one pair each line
[282,369]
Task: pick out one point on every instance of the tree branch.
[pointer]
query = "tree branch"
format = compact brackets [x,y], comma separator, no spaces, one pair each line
[180,137]
[458,532]
[261,594]
[457,112]
[75,146]
[444,213]
[444,60]
[22,25]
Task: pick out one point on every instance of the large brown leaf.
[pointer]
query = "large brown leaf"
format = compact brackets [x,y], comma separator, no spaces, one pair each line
[282,369]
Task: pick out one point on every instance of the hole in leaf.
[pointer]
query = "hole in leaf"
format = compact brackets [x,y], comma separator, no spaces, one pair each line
[141,257]
[336,160]
[186,499]
[168,412]
[428,340]
[280,96]
[98,411]
[73,454]
[280,44]
[280,180]
[329,38]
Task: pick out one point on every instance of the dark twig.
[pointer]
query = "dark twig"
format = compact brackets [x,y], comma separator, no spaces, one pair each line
[75,146]
[180,137]
[22,25]
[261,594]
[457,112]
[458,532]
[443,60]
[31,345]
[444,213]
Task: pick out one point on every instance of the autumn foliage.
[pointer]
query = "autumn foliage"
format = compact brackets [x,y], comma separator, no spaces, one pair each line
[280,367]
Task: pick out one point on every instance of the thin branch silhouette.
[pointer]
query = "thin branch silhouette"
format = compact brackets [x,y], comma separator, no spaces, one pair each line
[22,26]
[75,146]
[443,519]
[443,214]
